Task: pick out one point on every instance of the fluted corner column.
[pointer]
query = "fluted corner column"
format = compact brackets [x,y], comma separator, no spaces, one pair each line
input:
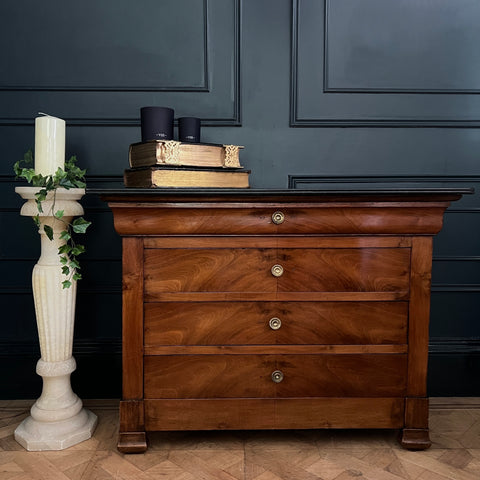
[58,419]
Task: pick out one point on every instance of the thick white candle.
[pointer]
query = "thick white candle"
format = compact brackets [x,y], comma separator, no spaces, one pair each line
[49,144]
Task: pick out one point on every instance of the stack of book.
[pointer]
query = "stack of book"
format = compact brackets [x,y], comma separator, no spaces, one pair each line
[168,163]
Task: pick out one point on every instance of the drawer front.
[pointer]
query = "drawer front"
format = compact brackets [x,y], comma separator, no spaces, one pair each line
[284,413]
[297,270]
[270,323]
[208,219]
[247,376]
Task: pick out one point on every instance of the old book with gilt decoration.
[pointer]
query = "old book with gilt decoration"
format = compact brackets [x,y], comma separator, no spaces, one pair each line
[171,152]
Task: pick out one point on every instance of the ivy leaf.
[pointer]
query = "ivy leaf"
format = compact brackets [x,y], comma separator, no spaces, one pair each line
[66,183]
[17,168]
[65,236]
[65,270]
[39,205]
[28,174]
[71,161]
[67,284]
[49,231]
[63,260]
[41,195]
[80,184]
[78,249]
[64,249]
[77,276]
[74,264]
[60,173]
[59,214]
[36,220]
[39,180]
[28,156]
[80,225]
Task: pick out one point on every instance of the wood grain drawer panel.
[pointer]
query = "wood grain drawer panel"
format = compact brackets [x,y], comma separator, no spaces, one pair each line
[302,323]
[208,376]
[344,270]
[257,414]
[208,219]
[362,219]
[342,375]
[249,270]
[209,270]
[248,376]
[196,219]
[339,413]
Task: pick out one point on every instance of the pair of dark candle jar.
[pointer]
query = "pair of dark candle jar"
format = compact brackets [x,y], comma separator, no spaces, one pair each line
[157,124]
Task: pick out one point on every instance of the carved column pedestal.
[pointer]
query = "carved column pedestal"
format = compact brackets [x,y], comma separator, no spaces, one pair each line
[58,419]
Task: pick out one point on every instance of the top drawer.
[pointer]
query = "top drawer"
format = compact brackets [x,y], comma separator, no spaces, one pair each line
[244,219]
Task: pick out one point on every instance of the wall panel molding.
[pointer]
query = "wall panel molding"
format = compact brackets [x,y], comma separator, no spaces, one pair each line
[330,87]
[454,345]
[208,88]
[317,100]
[102,15]
[80,346]
[455,287]
[318,180]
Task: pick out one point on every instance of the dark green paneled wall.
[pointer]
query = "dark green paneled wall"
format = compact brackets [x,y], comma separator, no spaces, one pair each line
[321,93]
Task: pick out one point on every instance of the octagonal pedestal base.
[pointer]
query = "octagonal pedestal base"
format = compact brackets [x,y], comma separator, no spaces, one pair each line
[40,436]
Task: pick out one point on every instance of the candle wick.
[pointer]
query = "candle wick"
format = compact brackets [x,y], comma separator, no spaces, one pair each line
[46,114]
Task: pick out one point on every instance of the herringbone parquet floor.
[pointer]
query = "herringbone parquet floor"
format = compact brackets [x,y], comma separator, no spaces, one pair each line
[282,455]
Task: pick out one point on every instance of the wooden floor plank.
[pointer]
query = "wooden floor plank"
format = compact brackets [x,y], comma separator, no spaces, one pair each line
[168,470]
[38,466]
[253,455]
[436,466]
[198,467]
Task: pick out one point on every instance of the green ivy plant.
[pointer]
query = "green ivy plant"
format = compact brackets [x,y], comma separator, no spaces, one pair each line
[71,177]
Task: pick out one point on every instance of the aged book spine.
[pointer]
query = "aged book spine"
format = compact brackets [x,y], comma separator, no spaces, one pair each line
[172,152]
[186,177]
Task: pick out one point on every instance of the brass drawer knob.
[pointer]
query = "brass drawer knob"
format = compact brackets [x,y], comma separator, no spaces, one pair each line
[277,376]
[275,323]
[277,270]
[278,218]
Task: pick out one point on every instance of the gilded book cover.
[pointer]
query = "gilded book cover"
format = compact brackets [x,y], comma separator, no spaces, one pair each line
[171,152]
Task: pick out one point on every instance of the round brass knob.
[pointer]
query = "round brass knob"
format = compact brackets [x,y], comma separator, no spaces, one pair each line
[277,270]
[278,218]
[277,376]
[275,323]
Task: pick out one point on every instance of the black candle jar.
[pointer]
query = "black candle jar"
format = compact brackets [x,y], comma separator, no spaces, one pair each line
[156,123]
[189,129]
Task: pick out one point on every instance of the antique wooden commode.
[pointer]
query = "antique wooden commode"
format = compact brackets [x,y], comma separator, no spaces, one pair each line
[261,309]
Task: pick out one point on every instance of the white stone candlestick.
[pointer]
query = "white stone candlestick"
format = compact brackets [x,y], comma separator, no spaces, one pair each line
[58,419]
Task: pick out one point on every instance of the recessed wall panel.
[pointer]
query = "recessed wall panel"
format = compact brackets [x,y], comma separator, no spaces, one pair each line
[98,63]
[105,45]
[399,46]
[385,63]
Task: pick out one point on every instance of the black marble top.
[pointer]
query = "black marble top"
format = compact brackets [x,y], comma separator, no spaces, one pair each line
[146,194]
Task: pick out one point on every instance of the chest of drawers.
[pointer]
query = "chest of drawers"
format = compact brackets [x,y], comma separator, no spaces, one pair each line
[276,309]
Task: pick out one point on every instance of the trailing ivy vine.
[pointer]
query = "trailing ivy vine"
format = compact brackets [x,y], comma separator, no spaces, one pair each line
[70,177]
